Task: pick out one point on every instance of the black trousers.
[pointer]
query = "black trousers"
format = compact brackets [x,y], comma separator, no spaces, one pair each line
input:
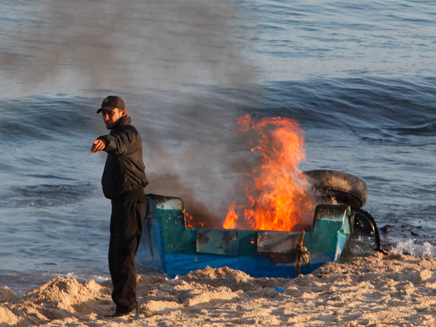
[128,212]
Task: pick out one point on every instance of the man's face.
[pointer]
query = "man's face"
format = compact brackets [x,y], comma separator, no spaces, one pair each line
[111,117]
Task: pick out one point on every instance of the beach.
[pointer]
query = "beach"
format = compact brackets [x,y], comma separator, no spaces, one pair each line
[359,78]
[377,290]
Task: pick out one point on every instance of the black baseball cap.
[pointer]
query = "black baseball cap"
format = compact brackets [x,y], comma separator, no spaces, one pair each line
[111,102]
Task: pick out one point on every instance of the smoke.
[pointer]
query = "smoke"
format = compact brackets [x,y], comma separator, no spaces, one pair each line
[158,44]
[194,157]
[180,66]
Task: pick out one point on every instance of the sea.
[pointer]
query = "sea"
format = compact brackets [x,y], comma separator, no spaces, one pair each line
[358,76]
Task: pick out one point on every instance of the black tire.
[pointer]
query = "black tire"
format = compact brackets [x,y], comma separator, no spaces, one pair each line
[339,186]
[364,223]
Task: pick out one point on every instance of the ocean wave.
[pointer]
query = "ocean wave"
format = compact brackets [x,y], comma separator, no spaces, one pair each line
[45,117]
[46,195]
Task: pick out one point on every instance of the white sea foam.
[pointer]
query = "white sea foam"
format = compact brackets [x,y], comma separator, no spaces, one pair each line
[417,250]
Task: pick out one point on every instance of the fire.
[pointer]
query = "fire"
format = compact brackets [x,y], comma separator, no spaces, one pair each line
[191,222]
[279,198]
[231,218]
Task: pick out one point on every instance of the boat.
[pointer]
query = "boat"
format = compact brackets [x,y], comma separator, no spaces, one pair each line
[170,246]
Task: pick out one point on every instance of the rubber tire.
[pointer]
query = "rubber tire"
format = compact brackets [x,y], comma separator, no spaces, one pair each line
[364,222]
[346,188]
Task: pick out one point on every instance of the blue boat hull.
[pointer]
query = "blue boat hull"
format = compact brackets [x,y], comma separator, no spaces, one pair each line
[171,247]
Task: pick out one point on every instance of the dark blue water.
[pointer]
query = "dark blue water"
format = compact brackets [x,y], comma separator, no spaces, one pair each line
[358,77]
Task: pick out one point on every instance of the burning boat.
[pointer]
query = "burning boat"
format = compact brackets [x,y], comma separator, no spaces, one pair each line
[290,222]
[169,245]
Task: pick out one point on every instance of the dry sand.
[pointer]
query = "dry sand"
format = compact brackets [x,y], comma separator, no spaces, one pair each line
[379,290]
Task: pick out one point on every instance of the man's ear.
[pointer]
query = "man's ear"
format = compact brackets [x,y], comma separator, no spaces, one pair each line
[123,112]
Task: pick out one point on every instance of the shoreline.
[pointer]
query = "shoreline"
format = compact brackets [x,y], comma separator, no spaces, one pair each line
[378,290]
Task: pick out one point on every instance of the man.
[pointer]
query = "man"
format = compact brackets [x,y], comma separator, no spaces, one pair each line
[123,182]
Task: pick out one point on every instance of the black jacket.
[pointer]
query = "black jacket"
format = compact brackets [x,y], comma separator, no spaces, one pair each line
[124,170]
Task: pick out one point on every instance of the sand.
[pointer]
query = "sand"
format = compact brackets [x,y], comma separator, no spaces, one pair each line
[378,290]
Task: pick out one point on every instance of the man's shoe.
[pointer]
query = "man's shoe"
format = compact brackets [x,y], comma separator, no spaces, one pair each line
[117,314]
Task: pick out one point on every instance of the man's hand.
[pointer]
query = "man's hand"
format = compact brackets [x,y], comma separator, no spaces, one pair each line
[97,146]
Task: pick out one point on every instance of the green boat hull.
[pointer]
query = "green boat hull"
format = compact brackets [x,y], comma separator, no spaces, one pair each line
[169,246]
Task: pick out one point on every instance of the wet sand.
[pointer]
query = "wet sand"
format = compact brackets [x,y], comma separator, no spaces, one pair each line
[378,290]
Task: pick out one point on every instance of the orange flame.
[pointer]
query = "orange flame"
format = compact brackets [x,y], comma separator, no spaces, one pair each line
[230,222]
[279,199]
[191,222]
